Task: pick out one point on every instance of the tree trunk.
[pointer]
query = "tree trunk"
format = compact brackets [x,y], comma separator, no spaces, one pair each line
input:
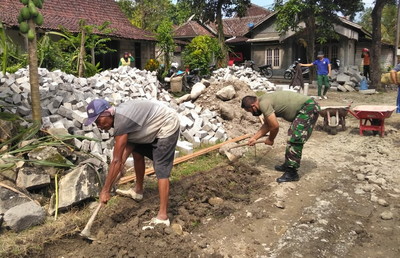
[4,46]
[34,76]
[376,47]
[82,53]
[93,57]
[310,32]
[221,37]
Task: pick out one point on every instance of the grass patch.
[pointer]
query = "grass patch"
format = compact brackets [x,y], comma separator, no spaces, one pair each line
[202,163]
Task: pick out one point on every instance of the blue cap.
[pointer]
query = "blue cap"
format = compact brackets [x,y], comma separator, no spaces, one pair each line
[94,109]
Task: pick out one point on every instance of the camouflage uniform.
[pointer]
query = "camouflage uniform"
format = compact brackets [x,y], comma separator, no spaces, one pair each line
[299,132]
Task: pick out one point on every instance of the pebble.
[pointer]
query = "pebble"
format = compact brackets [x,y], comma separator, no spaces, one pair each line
[386,215]
[383,202]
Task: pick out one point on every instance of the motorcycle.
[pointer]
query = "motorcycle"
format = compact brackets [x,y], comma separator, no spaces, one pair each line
[335,64]
[264,70]
[191,77]
[289,73]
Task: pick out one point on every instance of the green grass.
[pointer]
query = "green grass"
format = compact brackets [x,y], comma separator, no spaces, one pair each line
[203,163]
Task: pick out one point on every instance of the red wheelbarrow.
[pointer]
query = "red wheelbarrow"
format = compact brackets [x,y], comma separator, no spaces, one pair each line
[375,115]
[333,117]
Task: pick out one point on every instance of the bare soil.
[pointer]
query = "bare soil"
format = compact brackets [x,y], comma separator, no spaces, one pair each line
[346,204]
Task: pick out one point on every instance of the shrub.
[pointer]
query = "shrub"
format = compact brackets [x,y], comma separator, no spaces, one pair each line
[152,65]
[201,52]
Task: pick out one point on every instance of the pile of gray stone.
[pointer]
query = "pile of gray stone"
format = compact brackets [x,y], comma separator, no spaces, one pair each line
[251,77]
[348,79]
[64,98]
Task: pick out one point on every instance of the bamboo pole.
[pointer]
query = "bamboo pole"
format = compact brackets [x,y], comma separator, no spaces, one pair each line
[150,171]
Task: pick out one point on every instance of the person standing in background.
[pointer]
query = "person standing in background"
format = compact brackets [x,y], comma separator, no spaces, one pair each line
[366,61]
[323,72]
[393,77]
[126,60]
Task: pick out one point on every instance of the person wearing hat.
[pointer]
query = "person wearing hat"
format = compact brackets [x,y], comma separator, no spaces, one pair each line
[126,60]
[142,128]
[323,72]
[366,61]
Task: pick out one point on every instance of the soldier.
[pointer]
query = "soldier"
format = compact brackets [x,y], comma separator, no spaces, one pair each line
[301,110]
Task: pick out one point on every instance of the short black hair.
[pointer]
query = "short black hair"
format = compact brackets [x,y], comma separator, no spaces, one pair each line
[248,100]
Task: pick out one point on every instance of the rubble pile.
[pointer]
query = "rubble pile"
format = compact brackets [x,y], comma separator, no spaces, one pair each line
[64,98]
[252,78]
[347,80]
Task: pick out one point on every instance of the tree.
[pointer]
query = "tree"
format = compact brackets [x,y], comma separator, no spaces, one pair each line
[319,18]
[28,17]
[165,41]
[146,14]
[213,11]
[180,13]
[377,39]
[389,21]
[69,53]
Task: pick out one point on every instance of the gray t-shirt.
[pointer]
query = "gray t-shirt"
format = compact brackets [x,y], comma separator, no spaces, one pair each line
[285,104]
[145,120]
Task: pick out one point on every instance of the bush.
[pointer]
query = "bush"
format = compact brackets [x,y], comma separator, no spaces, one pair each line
[200,53]
[152,65]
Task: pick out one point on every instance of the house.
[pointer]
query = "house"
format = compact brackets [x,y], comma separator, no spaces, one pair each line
[254,37]
[268,46]
[125,37]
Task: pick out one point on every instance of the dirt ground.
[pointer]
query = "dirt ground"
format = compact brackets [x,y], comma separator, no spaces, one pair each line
[346,204]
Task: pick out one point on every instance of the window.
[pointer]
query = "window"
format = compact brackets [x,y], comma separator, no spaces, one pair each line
[334,52]
[325,49]
[268,55]
[272,57]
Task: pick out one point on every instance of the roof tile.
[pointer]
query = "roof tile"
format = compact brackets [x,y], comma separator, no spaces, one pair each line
[68,13]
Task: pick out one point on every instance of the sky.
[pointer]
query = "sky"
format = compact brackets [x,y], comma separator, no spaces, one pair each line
[269,3]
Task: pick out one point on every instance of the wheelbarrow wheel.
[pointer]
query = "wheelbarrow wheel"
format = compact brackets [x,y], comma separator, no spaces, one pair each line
[333,130]
[332,125]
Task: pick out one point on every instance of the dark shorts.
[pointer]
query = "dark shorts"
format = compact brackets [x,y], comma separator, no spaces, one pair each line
[161,152]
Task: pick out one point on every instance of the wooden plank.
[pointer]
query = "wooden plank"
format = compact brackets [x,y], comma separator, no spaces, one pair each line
[150,171]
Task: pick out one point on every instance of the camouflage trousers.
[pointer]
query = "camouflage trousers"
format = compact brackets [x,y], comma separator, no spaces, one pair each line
[300,131]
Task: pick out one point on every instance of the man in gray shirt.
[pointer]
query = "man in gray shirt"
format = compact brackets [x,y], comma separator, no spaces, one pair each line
[141,128]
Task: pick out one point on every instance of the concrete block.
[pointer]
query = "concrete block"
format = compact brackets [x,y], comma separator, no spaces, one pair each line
[65,112]
[201,134]
[219,133]
[206,139]
[85,145]
[23,111]
[367,92]
[196,142]
[189,105]
[105,136]
[79,116]
[207,127]
[187,135]
[342,78]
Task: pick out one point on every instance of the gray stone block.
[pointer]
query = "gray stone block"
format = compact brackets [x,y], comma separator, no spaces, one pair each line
[24,216]
[23,111]
[79,184]
[32,178]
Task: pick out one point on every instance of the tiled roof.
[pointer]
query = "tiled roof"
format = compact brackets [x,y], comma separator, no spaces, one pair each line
[67,13]
[255,10]
[191,29]
[240,26]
